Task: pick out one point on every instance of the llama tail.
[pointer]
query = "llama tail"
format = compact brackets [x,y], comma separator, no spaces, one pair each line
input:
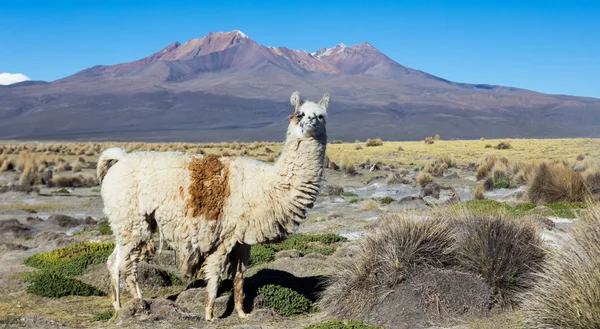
[107,159]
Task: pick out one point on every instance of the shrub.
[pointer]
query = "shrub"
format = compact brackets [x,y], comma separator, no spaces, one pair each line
[566,293]
[305,243]
[504,252]
[104,316]
[30,175]
[355,200]
[424,178]
[449,160]
[488,146]
[429,140]
[482,139]
[104,228]
[386,200]
[488,183]
[591,178]
[77,167]
[344,193]
[478,193]
[337,324]
[52,284]
[485,168]
[398,245]
[437,137]
[400,148]
[551,184]
[502,183]
[71,260]
[285,301]
[436,168]
[503,146]
[374,142]
[358,147]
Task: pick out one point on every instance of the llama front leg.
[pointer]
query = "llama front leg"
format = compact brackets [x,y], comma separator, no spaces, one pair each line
[211,289]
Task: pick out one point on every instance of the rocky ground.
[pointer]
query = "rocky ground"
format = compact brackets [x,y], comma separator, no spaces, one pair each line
[40,221]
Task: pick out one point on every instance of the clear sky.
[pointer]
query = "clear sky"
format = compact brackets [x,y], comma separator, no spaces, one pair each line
[544,45]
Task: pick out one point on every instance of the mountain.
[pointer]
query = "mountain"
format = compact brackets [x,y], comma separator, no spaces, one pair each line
[225,86]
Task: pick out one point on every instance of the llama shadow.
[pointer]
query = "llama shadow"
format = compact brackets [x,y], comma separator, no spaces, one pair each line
[310,287]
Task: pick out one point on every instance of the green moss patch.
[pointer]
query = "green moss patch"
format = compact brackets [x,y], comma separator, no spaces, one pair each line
[56,268]
[104,316]
[73,259]
[52,284]
[285,301]
[348,194]
[558,209]
[337,324]
[305,243]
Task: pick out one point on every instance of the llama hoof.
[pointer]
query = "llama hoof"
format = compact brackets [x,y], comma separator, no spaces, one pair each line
[210,318]
[243,315]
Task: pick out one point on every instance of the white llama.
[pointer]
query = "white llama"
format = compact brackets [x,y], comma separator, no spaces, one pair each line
[211,209]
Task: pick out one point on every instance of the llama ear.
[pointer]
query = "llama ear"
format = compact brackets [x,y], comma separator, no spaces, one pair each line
[295,100]
[324,102]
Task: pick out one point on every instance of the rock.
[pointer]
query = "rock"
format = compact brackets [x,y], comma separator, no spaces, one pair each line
[292,253]
[453,175]
[259,301]
[11,187]
[55,239]
[432,294]
[334,166]
[346,250]
[13,228]
[4,247]
[154,309]
[69,222]
[33,220]
[334,215]
[194,299]
[374,179]
[151,276]
[332,190]
[435,194]
[46,177]
[268,150]
[541,221]
[411,202]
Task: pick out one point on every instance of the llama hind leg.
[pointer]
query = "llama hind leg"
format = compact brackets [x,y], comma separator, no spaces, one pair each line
[241,254]
[113,264]
[131,265]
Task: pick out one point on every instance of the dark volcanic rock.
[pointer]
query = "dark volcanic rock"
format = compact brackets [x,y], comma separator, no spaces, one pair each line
[13,228]
[332,190]
[435,194]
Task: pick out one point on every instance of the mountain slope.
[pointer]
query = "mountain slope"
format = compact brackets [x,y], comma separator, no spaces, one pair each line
[225,86]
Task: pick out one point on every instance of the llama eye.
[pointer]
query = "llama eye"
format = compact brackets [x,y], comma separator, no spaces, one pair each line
[320,117]
[300,115]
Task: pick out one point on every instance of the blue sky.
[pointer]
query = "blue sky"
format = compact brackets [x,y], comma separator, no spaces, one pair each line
[547,46]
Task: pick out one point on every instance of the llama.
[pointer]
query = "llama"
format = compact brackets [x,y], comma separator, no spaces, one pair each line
[211,209]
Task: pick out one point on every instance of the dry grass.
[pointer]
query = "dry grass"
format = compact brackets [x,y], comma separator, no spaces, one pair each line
[400,243]
[555,183]
[374,142]
[504,252]
[478,192]
[567,294]
[424,178]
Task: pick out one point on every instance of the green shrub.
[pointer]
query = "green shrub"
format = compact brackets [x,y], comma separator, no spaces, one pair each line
[489,206]
[285,301]
[51,284]
[61,191]
[104,228]
[355,200]
[348,194]
[386,200]
[337,324]
[73,259]
[502,183]
[305,243]
[104,316]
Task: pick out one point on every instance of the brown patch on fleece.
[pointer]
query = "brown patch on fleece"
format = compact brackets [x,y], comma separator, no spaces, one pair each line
[181,194]
[209,188]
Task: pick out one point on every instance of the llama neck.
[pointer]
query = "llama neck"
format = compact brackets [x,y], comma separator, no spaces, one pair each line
[296,182]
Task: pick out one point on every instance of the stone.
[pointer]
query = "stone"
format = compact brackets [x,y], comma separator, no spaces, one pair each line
[332,190]
[13,228]
[292,253]
[334,215]
[435,194]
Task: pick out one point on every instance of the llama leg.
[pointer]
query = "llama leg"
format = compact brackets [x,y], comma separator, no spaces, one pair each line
[113,268]
[211,287]
[132,260]
[241,256]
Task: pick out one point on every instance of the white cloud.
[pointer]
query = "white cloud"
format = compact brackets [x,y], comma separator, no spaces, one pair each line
[10,78]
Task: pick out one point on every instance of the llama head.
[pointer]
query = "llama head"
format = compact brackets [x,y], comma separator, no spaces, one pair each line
[309,118]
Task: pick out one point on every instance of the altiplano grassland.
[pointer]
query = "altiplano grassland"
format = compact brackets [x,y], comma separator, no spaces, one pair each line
[493,213]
